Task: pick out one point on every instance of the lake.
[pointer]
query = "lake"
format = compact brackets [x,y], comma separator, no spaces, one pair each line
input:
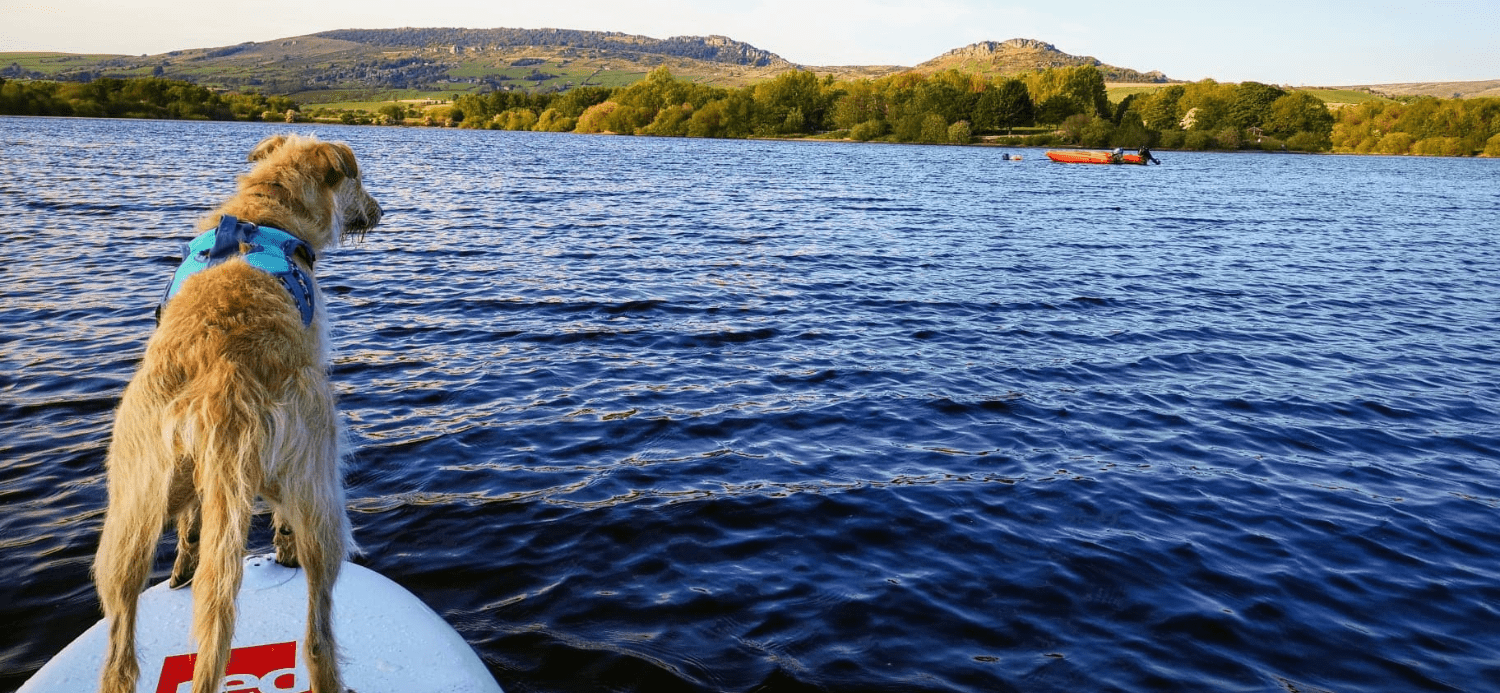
[642,414]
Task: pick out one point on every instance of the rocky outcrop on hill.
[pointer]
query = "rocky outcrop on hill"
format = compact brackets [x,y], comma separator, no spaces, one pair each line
[719,49]
[1020,55]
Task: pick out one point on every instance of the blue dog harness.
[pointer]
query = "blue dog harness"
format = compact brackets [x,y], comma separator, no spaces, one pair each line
[270,250]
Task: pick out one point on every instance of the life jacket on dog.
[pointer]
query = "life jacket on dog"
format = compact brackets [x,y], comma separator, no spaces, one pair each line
[267,249]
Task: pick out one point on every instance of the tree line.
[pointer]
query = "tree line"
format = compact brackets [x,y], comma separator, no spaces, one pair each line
[1425,126]
[1058,106]
[142,97]
[1068,104]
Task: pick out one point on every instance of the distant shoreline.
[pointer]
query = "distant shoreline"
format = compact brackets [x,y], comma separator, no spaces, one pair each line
[991,145]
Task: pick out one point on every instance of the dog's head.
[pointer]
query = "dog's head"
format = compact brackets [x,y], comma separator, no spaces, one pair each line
[317,187]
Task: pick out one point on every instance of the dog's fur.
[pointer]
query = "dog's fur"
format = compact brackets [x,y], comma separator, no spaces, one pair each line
[231,402]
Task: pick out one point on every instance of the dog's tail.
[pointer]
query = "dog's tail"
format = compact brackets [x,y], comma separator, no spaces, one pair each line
[225,412]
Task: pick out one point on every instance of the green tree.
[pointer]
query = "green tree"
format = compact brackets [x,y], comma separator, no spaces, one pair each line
[1160,110]
[1492,146]
[1205,105]
[934,129]
[661,91]
[628,120]
[777,99]
[1006,106]
[516,119]
[552,120]
[1057,109]
[574,102]
[960,133]
[1126,105]
[1085,84]
[1300,111]
[591,121]
[33,98]
[908,128]
[899,94]
[1441,146]
[868,130]
[396,112]
[1229,138]
[1132,133]
[708,121]
[732,116]
[1250,106]
[860,102]
[475,107]
[950,94]
[671,121]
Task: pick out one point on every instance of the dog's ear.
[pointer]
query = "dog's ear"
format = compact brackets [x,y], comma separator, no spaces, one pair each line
[266,146]
[340,160]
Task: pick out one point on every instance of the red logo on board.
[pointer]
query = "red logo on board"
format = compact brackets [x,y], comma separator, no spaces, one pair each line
[259,669]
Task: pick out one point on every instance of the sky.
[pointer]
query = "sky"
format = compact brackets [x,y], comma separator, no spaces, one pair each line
[1290,42]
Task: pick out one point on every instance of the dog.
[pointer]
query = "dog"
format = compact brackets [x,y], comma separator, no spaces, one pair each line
[232,402]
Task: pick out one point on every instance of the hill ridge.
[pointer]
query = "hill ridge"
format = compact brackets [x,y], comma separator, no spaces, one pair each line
[713,48]
[345,64]
[1019,55]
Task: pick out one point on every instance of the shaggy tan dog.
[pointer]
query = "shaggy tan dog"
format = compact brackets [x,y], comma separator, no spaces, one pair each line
[231,402]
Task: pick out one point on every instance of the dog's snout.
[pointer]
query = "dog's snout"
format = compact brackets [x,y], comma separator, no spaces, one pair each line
[372,215]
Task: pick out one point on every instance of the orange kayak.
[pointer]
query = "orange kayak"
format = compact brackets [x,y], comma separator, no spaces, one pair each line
[1090,157]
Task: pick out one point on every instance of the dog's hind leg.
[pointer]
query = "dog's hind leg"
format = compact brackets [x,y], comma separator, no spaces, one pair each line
[226,512]
[189,527]
[230,454]
[140,467]
[182,503]
[321,554]
[285,540]
[311,505]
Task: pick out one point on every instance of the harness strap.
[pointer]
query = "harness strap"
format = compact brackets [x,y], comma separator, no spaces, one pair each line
[265,248]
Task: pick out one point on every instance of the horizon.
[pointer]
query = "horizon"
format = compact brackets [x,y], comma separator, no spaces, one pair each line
[1341,43]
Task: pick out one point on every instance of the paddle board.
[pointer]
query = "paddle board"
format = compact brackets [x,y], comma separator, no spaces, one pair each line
[388,640]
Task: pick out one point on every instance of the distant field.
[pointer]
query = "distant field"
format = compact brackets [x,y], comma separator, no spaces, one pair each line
[50,63]
[1442,90]
[1343,95]
[1117,91]
[373,106]
[371,99]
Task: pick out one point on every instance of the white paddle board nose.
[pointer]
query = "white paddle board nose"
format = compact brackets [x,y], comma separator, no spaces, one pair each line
[387,638]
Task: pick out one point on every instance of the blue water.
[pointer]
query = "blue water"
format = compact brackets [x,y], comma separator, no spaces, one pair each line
[680,415]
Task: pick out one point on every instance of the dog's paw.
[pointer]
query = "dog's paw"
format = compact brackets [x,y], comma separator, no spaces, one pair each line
[182,573]
[287,556]
[286,546]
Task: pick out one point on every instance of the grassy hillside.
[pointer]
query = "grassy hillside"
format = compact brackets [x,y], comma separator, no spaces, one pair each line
[1342,96]
[370,65]
[359,64]
[366,66]
[1117,92]
[1442,90]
